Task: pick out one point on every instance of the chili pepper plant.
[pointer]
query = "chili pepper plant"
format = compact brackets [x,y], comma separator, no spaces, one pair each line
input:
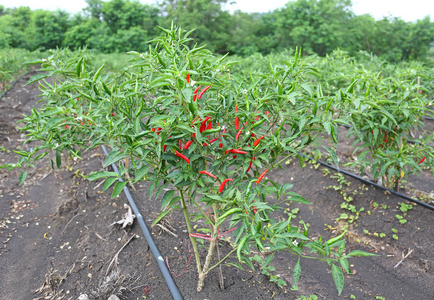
[386,118]
[207,137]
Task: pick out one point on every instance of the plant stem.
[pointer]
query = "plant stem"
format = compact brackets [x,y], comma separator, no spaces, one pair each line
[193,241]
[222,260]
[208,259]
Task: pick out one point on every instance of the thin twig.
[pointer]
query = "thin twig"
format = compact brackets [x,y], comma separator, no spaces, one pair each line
[98,184]
[167,230]
[403,258]
[69,223]
[117,254]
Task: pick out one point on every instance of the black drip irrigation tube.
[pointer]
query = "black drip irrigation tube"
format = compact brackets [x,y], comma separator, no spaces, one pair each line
[163,267]
[13,83]
[371,183]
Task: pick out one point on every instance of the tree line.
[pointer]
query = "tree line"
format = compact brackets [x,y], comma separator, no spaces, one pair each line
[316,26]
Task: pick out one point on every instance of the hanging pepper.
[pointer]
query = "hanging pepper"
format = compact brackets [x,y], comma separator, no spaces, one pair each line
[164,148]
[250,166]
[238,135]
[222,186]
[261,176]
[236,108]
[203,126]
[237,151]
[188,78]
[182,156]
[209,126]
[203,91]
[422,160]
[213,140]
[237,123]
[195,93]
[208,173]
[258,140]
[187,145]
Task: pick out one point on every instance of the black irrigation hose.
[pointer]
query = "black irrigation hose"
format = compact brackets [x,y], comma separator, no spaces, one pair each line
[163,267]
[428,118]
[371,183]
[13,83]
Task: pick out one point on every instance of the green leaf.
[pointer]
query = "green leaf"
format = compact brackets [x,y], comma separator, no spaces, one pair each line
[297,198]
[22,177]
[345,264]
[118,188]
[338,278]
[98,175]
[113,157]
[36,78]
[58,159]
[166,198]
[296,273]
[140,174]
[160,216]
[108,183]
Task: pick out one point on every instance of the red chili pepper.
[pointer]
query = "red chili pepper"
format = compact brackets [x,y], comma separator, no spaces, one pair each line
[113,114]
[188,78]
[234,157]
[254,209]
[164,148]
[237,123]
[153,129]
[203,91]
[385,137]
[208,173]
[250,166]
[422,160]
[258,140]
[238,135]
[221,145]
[209,126]
[222,186]
[389,155]
[237,151]
[213,140]
[187,145]
[158,130]
[267,113]
[261,176]
[226,152]
[203,125]
[194,135]
[257,117]
[195,93]
[236,108]
[182,156]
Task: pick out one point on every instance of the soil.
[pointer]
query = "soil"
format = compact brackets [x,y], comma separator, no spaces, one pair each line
[58,240]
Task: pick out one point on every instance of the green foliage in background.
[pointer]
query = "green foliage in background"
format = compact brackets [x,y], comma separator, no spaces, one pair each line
[315,26]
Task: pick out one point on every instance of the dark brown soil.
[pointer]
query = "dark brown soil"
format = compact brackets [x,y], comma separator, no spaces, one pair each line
[57,240]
